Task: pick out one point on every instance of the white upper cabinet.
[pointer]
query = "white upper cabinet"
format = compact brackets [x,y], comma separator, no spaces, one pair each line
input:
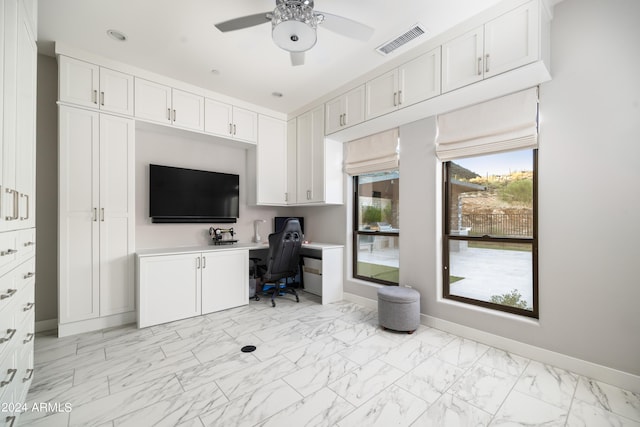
[344,111]
[292,166]
[230,122]
[271,168]
[89,85]
[505,43]
[414,81]
[163,104]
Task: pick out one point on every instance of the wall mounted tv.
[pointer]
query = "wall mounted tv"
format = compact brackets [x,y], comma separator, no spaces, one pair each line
[178,195]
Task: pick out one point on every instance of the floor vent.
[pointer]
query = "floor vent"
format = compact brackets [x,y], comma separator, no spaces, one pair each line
[412,34]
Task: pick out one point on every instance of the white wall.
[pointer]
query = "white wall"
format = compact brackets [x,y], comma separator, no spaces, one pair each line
[165,146]
[589,203]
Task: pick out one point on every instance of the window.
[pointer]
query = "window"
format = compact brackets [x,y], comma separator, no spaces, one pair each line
[490,231]
[376,227]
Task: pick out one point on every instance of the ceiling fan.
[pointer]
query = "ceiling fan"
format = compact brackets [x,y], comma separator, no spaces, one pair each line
[294,24]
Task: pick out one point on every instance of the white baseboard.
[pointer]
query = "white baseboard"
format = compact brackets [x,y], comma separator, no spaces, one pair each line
[602,373]
[96,324]
[46,325]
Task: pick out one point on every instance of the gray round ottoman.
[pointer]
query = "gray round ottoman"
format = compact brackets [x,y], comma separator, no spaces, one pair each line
[399,308]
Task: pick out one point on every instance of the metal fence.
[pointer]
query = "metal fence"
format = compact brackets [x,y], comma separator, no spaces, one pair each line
[499,224]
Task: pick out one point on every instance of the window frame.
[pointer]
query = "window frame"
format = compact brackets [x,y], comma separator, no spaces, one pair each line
[447,237]
[357,232]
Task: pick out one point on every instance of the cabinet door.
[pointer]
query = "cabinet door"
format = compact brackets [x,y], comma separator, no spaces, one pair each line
[333,114]
[382,94]
[245,125]
[188,110]
[169,288]
[310,156]
[271,179]
[420,78]
[116,92]
[292,168]
[25,123]
[511,40]
[225,280]
[217,118]
[153,101]
[79,291]
[78,82]
[116,215]
[462,62]
[318,156]
[354,107]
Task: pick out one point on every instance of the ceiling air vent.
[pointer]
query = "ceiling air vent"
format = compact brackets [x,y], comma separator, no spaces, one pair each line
[412,34]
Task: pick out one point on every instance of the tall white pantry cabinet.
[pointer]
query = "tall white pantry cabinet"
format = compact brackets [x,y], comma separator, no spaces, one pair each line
[96,219]
[18,62]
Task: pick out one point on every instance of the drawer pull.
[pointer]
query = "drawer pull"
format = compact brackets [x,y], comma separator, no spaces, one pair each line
[27,244]
[10,334]
[8,252]
[29,376]
[29,339]
[9,293]
[11,372]
[29,306]
[29,275]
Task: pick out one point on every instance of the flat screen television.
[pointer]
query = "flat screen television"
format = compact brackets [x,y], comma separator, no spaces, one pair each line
[178,195]
[278,222]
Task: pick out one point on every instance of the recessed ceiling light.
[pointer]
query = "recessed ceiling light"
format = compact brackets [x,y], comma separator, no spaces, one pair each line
[117,35]
[215,72]
[277,94]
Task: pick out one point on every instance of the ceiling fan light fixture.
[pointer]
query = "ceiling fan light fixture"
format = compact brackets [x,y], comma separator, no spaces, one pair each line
[293,26]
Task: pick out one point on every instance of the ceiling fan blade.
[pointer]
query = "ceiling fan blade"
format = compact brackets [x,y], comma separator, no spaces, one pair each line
[244,22]
[346,27]
[297,58]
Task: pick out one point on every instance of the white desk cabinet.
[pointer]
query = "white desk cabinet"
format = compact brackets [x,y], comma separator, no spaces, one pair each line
[503,44]
[412,82]
[96,216]
[176,285]
[318,161]
[224,280]
[163,104]
[230,122]
[271,162]
[344,111]
[88,85]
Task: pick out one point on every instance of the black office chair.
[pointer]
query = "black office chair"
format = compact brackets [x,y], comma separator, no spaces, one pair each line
[283,258]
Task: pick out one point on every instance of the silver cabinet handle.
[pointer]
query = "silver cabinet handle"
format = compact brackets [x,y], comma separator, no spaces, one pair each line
[399,97]
[94,97]
[480,66]
[344,122]
[94,217]
[15,214]
[197,263]
[29,375]
[204,262]
[174,115]
[102,214]
[27,244]
[29,306]
[10,334]
[230,128]
[169,114]
[486,63]
[9,293]
[234,129]
[29,338]
[102,98]
[308,194]
[286,197]
[11,372]
[29,275]
[8,252]
[395,99]
[26,196]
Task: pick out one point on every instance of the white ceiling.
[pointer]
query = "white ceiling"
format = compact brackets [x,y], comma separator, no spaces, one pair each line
[178,39]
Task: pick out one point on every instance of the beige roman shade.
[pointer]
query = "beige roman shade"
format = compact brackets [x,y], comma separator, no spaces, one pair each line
[502,124]
[374,153]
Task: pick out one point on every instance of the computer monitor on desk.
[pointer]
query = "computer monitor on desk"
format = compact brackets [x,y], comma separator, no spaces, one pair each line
[278,222]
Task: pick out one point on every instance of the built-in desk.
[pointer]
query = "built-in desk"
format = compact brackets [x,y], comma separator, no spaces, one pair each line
[177,283]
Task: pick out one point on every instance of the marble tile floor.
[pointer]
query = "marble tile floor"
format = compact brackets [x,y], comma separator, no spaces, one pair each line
[314,365]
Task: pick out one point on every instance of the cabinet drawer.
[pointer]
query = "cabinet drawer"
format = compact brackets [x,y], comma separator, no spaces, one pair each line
[8,249]
[26,243]
[8,331]
[25,307]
